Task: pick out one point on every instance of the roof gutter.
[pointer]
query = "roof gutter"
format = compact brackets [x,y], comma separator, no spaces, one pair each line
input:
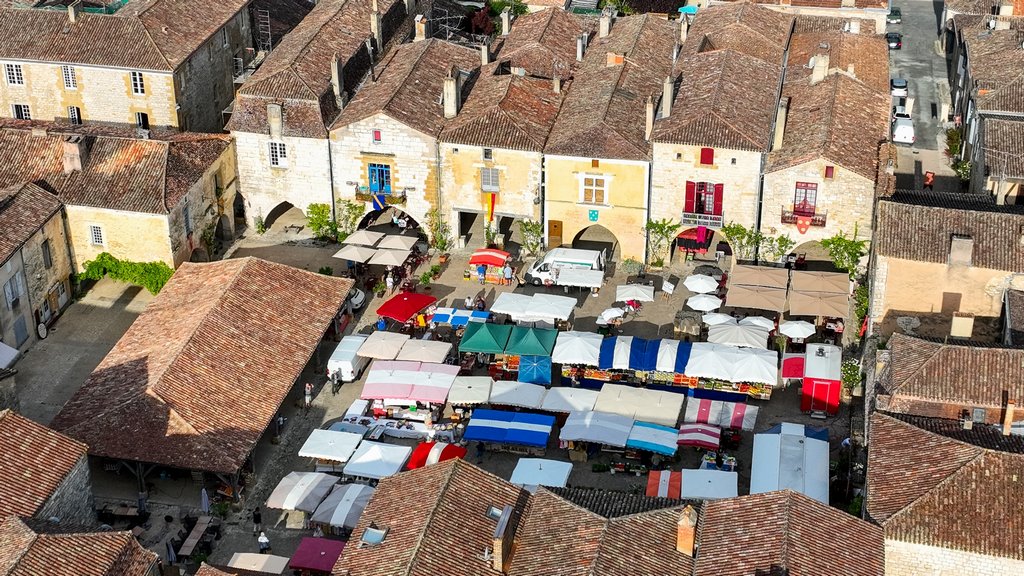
[771,138]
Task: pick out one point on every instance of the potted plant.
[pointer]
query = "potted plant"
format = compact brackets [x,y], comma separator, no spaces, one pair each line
[379,288]
[425,280]
[435,271]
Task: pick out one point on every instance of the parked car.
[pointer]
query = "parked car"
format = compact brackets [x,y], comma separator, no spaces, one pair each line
[895,40]
[903,131]
[894,16]
[899,87]
[900,112]
[357,298]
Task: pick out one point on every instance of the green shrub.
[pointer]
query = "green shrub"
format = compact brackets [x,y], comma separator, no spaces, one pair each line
[150,275]
[260,224]
[326,271]
[318,217]
[425,278]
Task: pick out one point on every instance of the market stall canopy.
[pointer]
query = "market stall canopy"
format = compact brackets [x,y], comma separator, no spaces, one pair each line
[457,317]
[700,283]
[653,438]
[390,257]
[502,427]
[759,321]
[797,329]
[822,379]
[382,345]
[363,237]
[757,297]
[639,292]
[301,491]
[531,341]
[433,382]
[424,351]
[734,415]
[752,365]
[533,472]
[693,484]
[535,369]
[489,257]
[827,282]
[597,427]
[700,435]
[708,360]
[625,353]
[267,563]
[580,277]
[577,348]
[397,242]
[343,506]
[565,400]
[403,306]
[376,460]
[738,335]
[330,445]
[673,355]
[428,453]
[470,390]
[819,304]
[355,253]
[641,404]
[389,379]
[550,307]
[316,555]
[746,275]
[716,318]
[485,338]
[519,394]
[511,304]
[794,457]
[704,302]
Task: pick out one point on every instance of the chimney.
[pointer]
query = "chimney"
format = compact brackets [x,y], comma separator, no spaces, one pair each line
[451,94]
[1008,417]
[667,93]
[1006,9]
[820,68]
[506,21]
[605,23]
[485,56]
[854,26]
[684,29]
[74,153]
[686,532]
[377,28]
[369,52]
[780,123]
[649,122]
[75,6]
[504,535]
[556,85]
[580,47]
[421,28]
[338,82]
[274,116]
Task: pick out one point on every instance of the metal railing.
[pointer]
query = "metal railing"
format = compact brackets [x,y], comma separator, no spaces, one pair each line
[789,216]
[714,221]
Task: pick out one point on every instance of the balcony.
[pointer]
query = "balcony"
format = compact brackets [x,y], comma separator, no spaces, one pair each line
[818,219]
[713,221]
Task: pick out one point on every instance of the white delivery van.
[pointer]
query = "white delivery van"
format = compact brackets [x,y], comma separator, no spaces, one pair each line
[345,365]
[545,270]
[903,131]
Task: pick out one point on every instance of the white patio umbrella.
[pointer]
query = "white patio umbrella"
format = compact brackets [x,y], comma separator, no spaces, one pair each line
[390,257]
[418,350]
[700,283]
[608,315]
[396,242]
[634,292]
[355,253]
[344,505]
[716,318]
[577,348]
[382,345]
[363,237]
[739,335]
[704,302]
[759,321]
[797,329]
[301,491]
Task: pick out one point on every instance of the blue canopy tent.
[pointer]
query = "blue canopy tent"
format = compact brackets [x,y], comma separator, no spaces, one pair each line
[653,438]
[628,353]
[457,317]
[535,369]
[502,427]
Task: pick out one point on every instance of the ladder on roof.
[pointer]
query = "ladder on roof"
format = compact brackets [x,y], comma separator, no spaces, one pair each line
[264,40]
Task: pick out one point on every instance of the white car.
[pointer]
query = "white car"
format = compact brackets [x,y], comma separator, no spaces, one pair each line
[903,131]
[899,87]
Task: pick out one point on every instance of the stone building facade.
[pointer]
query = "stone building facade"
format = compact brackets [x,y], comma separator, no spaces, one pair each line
[912,559]
[72,500]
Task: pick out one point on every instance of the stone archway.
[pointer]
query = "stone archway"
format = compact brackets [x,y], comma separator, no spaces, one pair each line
[597,237]
[280,210]
[383,221]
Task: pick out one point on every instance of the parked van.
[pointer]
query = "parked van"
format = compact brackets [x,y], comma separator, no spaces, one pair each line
[545,269]
[344,364]
[903,131]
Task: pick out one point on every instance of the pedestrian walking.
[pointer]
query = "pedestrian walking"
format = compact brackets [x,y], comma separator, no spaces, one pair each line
[389,281]
[257,521]
[264,543]
[469,302]
[508,274]
[309,395]
[481,272]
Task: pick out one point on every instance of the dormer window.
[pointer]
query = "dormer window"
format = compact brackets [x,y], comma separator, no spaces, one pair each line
[373,535]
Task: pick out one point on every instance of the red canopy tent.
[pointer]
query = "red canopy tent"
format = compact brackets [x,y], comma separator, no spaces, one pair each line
[405,305]
[317,555]
[823,379]
[664,484]
[489,257]
[428,453]
[700,435]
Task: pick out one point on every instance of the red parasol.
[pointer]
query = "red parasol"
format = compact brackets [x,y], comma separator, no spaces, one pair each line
[428,453]
[405,305]
[489,257]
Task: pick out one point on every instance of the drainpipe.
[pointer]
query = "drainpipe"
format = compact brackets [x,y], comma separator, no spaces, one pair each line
[647,233]
[437,176]
[330,174]
[764,158]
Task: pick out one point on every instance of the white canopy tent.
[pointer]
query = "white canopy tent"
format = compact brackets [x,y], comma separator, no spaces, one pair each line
[330,445]
[752,365]
[738,335]
[791,456]
[343,506]
[580,277]
[301,491]
[797,329]
[707,360]
[533,472]
[709,484]
[564,400]
[655,406]
[700,283]
[759,321]
[639,292]
[470,390]
[418,350]
[383,345]
[577,348]
[512,304]
[536,308]
[716,318]
[375,460]
[704,302]
[521,394]
[597,427]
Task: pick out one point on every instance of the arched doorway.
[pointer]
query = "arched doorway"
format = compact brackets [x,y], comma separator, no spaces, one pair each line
[813,256]
[199,254]
[224,229]
[284,215]
[384,221]
[238,212]
[597,237]
[702,245]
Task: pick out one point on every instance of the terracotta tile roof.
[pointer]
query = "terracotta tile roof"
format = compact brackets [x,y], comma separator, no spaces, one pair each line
[916,226]
[36,460]
[988,436]
[741,27]
[995,63]
[544,43]
[796,536]
[922,372]
[119,173]
[298,71]
[506,111]
[1014,315]
[603,116]
[821,3]
[144,34]
[1004,141]
[25,553]
[839,119]
[409,85]
[437,523]
[972,7]
[207,570]
[806,23]
[201,372]
[866,53]
[928,489]
[24,208]
[726,99]
[573,553]
[285,15]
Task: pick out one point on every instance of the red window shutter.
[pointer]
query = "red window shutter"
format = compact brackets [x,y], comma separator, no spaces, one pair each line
[376,135]
[707,156]
[830,171]
[691,193]
[719,190]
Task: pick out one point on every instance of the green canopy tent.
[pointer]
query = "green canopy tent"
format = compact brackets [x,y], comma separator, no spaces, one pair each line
[531,341]
[485,337]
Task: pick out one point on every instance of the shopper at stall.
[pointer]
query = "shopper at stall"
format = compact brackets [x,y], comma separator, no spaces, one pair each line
[481,273]
[507,272]
[264,543]
[257,521]
[309,394]
[469,302]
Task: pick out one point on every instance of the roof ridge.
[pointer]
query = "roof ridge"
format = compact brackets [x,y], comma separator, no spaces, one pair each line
[445,485]
[149,37]
[21,525]
[600,545]
[789,520]
[938,348]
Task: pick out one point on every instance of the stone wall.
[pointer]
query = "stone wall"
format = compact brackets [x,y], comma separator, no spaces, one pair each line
[42,282]
[133,236]
[10,270]
[907,559]
[305,180]
[519,181]
[72,501]
[210,198]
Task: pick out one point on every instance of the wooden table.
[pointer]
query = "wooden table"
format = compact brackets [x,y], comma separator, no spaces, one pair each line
[190,543]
